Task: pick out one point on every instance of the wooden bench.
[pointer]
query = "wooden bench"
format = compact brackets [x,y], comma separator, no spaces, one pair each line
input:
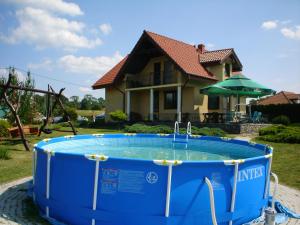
[14,131]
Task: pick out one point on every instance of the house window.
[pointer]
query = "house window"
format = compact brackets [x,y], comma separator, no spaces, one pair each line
[170,99]
[213,102]
[227,69]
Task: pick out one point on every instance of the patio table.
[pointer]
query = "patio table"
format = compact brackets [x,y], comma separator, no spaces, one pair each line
[214,117]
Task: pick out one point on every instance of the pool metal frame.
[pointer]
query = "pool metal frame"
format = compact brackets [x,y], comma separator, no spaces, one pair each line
[162,162]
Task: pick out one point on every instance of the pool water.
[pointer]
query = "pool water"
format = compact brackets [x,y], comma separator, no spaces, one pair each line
[157,148]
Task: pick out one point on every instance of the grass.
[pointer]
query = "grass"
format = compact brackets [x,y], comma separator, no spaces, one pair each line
[20,163]
[286,162]
[4,155]
[89,112]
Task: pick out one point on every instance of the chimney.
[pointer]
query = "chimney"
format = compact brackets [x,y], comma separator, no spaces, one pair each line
[201,48]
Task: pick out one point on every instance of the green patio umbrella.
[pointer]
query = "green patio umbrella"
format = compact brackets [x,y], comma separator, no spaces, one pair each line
[237,85]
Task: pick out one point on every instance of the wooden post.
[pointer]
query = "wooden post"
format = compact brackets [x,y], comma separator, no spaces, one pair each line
[14,112]
[18,121]
[64,110]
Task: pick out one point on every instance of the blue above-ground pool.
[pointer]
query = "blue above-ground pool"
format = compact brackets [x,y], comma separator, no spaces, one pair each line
[149,179]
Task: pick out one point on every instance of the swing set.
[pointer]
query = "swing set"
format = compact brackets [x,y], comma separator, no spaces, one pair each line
[50,93]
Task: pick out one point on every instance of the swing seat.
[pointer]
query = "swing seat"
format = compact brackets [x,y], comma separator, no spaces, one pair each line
[47,131]
[14,131]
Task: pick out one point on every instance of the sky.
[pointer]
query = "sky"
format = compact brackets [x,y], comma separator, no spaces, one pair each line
[71,44]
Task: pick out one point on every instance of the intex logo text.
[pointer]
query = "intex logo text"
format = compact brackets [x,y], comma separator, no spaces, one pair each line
[250,174]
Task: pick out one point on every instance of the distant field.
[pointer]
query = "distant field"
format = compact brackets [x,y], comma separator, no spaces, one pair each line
[89,112]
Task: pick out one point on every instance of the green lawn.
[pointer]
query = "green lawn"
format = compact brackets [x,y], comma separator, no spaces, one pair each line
[286,162]
[89,112]
[19,164]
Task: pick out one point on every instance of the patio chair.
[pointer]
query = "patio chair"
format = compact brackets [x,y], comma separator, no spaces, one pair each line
[256,118]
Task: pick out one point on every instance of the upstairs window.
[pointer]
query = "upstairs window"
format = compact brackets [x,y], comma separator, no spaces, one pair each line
[227,69]
[170,99]
[213,102]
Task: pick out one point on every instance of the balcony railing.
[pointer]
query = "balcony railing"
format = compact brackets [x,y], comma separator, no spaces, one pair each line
[151,79]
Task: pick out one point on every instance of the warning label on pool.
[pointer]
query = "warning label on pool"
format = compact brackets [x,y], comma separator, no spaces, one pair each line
[116,180]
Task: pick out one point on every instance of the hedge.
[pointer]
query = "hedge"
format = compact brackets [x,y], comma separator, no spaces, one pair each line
[292,111]
[280,133]
[143,128]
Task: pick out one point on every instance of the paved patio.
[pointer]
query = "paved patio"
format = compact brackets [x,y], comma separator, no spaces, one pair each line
[12,205]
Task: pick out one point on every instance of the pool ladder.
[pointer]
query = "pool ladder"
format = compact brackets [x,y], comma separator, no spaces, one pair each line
[188,132]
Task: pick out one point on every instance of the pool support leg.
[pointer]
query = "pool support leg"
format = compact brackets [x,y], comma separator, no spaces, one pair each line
[270,213]
[168,195]
[97,159]
[233,195]
[275,190]
[95,188]
[267,184]
[212,201]
[34,159]
[235,179]
[170,164]
[49,154]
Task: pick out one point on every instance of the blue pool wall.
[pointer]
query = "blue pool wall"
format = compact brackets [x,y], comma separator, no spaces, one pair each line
[72,186]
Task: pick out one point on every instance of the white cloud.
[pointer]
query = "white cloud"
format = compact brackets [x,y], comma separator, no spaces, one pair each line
[39,27]
[85,89]
[46,64]
[292,33]
[58,6]
[105,28]
[270,24]
[89,65]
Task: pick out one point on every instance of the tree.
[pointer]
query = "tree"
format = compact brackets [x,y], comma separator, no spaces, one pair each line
[74,102]
[22,101]
[87,102]
[40,102]
[101,102]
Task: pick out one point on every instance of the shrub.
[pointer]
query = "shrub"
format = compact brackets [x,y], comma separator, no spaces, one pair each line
[4,125]
[206,131]
[118,116]
[98,123]
[282,119]
[72,114]
[142,128]
[271,130]
[280,133]
[84,123]
[4,154]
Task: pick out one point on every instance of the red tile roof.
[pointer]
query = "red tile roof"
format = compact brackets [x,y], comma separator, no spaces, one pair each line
[186,56]
[215,56]
[110,76]
[282,97]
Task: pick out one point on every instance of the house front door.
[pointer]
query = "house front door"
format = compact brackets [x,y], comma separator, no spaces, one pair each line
[156,73]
